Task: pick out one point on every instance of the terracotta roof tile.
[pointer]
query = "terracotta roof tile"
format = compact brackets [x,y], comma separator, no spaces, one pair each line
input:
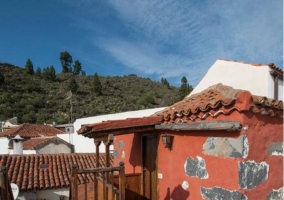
[46,171]
[219,99]
[36,143]
[31,130]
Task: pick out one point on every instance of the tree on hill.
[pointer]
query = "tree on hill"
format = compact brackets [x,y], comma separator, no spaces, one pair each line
[72,84]
[66,61]
[2,79]
[165,82]
[77,67]
[38,72]
[185,88]
[29,67]
[97,86]
[49,73]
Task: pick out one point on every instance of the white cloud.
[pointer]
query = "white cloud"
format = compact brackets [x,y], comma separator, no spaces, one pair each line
[184,38]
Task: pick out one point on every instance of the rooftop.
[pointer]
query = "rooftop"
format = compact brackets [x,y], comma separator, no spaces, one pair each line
[46,171]
[219,99]
[31,130]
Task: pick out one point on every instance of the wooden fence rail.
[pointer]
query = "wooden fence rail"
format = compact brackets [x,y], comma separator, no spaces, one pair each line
[103,186]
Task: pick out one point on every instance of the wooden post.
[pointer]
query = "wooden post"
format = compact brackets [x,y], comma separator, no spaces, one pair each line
[276,87]
[74,182]
[86,187]
[107,143]
[121,181]
[97,144]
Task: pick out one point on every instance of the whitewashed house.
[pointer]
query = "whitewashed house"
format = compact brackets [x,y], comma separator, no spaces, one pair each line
[86,145]
[260,79]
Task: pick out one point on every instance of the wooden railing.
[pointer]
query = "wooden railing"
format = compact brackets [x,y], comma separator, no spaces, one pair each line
[103,185]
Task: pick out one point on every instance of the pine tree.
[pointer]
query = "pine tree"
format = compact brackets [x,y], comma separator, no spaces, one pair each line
[49,73]
[97,86]
[29,67]
[77,67]
[66,61]
[183,90]
[38,72]
[165,82]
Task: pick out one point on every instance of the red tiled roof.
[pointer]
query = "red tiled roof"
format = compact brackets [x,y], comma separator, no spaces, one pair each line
[219,99]
[35,143]
[31,130]
[46,171]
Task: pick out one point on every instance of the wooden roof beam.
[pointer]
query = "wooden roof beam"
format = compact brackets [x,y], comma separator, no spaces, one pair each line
[202,126]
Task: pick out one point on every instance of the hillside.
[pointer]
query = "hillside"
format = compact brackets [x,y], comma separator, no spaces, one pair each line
[34,99]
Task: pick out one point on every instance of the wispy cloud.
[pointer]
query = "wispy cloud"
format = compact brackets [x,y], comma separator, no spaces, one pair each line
[183,38]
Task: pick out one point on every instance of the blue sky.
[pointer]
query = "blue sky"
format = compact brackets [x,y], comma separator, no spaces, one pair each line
[153,39]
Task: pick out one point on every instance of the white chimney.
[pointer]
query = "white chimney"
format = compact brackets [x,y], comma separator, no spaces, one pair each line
[18,144]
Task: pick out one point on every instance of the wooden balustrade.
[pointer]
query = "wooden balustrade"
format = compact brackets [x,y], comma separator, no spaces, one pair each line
[103,184]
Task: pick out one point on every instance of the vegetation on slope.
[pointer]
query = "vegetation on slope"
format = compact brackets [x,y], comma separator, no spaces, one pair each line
[45,97]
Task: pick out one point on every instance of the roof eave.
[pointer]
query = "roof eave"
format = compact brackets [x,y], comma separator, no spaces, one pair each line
[119,131]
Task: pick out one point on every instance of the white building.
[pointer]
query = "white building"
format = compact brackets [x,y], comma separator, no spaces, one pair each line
[260,79]
[86,145]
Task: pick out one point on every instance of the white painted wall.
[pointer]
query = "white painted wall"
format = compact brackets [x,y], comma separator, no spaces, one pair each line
[280,90]
[86,145]
[256,79]
[51,194]
[24,152]
[4,145]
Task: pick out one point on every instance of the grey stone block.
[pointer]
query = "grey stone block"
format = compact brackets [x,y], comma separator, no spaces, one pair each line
[252,174]
[120,144]
[276,194]
[115,153]
[217,193]
[196,167]
[275,148]
[227,147]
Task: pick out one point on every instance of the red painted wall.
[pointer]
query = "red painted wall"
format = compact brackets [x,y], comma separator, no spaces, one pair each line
[223,172]
[130,153]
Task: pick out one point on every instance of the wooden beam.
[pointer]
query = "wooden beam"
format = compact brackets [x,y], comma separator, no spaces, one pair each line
[203,126]
[122,131]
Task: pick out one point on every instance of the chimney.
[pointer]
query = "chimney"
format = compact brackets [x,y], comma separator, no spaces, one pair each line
[18,144]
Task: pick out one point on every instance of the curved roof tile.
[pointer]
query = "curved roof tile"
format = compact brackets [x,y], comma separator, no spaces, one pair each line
[46,171]
[31,130]
[218,99]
